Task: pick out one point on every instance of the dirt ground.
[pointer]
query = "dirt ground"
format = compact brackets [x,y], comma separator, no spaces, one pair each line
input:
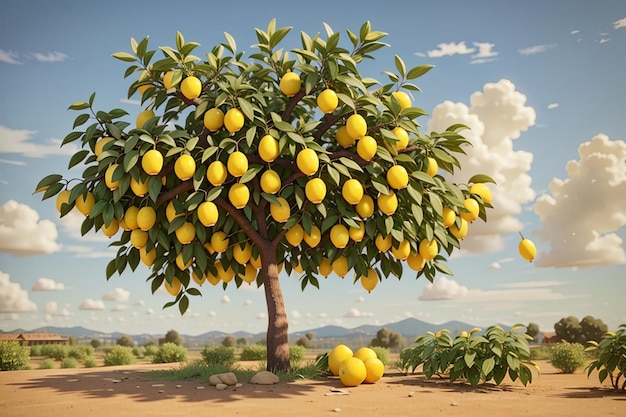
[129,391]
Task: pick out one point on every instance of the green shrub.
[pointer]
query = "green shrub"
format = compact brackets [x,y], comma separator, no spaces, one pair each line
[567,357]
[170,352]
[472,356]
[610,357]
[69,363]
[218,355]
[13,356]
[56,352]
[254,353]
[296,354]
[35,350]
[80,352]
[90,362]
[139,352]
[382,353]
[47,364]
[538,353]
[119,355]
[150,350]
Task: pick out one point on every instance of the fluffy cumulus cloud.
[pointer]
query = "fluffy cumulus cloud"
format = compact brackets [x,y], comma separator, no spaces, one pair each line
[91,304]
[496,117]
[443,289]
[13,298]
[51,309]
[20,141]
[581,214]
[47,284]
[452,48]
[621,23]
[354,313]
[117,294]
[23,233]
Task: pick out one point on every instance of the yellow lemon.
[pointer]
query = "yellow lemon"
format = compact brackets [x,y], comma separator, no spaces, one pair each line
[185,167]
[403,98]
[449,217]
[280,212]
[146,218]
[219,241]
[237,164]
[365,207]
[365,353]
[130,217]
[339,236]
[428,249]
[234,120]
[327,101]
[336,356]
[366,147]
[99,146]
[207,213]
[388,203]
[213,119]
[239,195]
[84,203]
[314,238]
[290,84]
[416,261]
[167,80]
[139,187]
[224,274]
[108,178]
[352,191]
[383,243]
[325,268]
[242,254]
[111,229]
[191,87]
[352,372]
[307,161]
[170,212]
[152,162]
[483,191]
[343,138]
[62,198]
[270,182]
[174,288]
[460,232]
[375,369]
[268,148]
[356,126]
[527,249]
[216,173]
[403,250]
[256,262]
[315,190]
[403,137]
[186,233]
[146,257]
[180,262]
[212,279]
[433,167]
[295,235]
[357,233]
[340,266]
[143,117]
[198,280]
[472,210]
[249,274]
[369,281]
[397,177]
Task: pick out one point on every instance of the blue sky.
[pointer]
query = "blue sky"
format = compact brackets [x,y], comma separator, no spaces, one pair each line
[540,84]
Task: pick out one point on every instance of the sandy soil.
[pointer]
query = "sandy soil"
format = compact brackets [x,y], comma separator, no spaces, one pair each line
[129,391]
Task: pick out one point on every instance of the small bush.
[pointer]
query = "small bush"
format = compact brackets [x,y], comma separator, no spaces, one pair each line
[119,355]
[254,353]
[90,362]
[69,363]
[47,364]
[80,352]
[170,352]
[567,357]
[56,352]
[382,353]
[540,353]
[35,350]
[139,352]
[610,357]
[13,356]
[296,354]
[218,355]
[150,350]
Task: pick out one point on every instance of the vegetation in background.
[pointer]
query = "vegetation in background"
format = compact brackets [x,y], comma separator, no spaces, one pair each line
[170,352]
[574,331]
[567,357]
[119,355]
[13,356]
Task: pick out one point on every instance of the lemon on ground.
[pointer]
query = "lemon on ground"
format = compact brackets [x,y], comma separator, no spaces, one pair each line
[527,249]
[213,119]
[84,203]
[314,238]
[138,238]
[295,235]
[336,356]
[174,288]
[388,203]
[186,233]
[152,162]
[472,210]
[315,190]
[369,281]
[239,195]
[249,274]
[383,243]
[325,268]
[366,147]
[339,236]
[356,126]
[216,173]
[219,241]
[167,80]
[130,217]
[307,161]
[416,261]
[224,274]
[403,137]
[270,182]
[459,231]
[191,87]
[327,101]
[146,218]
[403,98]
[237,164]
[280,212]
[108,177]
[449,217]
[111,229]
[207,213]
[139,187]
[402,251]
[352,191]
[143,117]
[433,166]
[357,233]
[242,254]
[375,369]
[397,177]
[234,120]
[365,207]
[343,138]
[269,148]
[340,266]
[180,262]
[365,353]
[428,249]
[147,257]
[352,372]
[185,167]
[99,146]
[290,84]
[483,191]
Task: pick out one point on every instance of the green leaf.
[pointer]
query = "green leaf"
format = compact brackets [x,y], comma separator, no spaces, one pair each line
[79,105]
[124,56]
[400,65]
[80,119]
[480,178]
[77,158]
[488,365]
[183,304]
[418,71]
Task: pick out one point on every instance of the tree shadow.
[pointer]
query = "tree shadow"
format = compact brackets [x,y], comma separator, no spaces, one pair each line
[593,392]
[443,384]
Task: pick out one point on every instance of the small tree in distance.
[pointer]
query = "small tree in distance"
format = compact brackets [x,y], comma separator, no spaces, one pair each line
[389,339]
[125,340]
[293,160]
[171,336]
[229,341]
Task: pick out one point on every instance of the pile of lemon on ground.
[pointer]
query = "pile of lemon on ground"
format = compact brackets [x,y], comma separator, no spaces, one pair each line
[355,368]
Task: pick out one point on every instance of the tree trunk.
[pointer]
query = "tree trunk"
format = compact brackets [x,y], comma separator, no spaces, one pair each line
[277,328]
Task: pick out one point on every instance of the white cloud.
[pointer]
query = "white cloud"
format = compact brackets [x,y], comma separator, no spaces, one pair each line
[19,141]
[91,304]
[50,57]
[261,316]
[295,314]
[11,162]
[51,309]
[212,314]
[117,294]
[495,265]
[139,303]
[581,214]
[13,299]
[553,106]
[225,299]
[47,284]
[443,289]
[355,313]
[118,308]
[621,23]
[10,57]
[533,284]
[359,300]
[535,49]
[451,48]
[497,116]
[23,233]
[574,32]
[149,312]
[247,302]
[603,40]
[485,53]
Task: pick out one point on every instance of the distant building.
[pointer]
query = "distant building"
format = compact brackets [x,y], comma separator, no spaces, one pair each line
[34,339]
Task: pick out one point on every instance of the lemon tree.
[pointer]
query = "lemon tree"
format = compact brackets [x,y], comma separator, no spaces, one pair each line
[281,140]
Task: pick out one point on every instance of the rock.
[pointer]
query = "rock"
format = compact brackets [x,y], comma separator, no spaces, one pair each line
[264,378]
[238,385]
[337,410]
[454,404]
[200,387]
[411,393]
[221,386]
[227,378]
